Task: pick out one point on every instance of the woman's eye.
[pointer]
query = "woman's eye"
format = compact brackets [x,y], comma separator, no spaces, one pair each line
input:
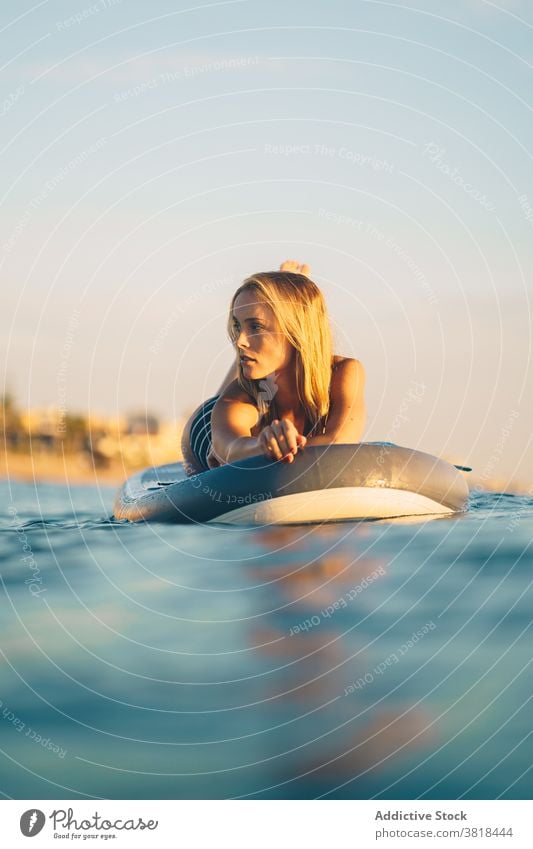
[254,326]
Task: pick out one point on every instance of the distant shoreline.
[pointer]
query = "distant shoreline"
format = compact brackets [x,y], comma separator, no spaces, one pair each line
[69,469]
[77,470]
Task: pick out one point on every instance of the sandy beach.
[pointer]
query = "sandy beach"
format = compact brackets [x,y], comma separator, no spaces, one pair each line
[68,469]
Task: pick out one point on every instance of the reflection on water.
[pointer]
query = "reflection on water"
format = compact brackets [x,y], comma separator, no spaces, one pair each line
[345,661]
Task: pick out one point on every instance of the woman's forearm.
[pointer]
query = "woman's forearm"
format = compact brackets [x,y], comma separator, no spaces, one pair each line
[242,447]
[354,436]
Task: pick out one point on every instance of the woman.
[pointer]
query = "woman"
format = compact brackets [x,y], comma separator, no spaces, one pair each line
[287,389]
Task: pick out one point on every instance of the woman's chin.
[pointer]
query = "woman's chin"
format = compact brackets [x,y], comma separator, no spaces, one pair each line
[252,370]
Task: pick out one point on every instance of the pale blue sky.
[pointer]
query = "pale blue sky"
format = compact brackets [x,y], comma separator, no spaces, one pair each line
[152,157]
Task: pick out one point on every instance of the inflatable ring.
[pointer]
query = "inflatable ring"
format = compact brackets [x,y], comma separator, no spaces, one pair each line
[329,483]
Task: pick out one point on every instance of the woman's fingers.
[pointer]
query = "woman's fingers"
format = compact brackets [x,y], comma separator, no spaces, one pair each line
[281,440]
[272,449]
[285,433]
[269,444]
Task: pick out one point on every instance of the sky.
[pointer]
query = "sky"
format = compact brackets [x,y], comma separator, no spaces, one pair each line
[153,156]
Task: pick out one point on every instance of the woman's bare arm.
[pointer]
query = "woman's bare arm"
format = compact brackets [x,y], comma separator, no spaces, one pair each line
[232,420]
[347,416]
[234,417]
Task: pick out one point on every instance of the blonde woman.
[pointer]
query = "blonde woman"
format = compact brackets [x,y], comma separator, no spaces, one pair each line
[287,389]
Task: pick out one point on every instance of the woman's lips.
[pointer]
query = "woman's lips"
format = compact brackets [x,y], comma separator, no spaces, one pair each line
[247,360]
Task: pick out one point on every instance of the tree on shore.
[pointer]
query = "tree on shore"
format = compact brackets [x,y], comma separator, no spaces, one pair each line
[75,433]
[10,422]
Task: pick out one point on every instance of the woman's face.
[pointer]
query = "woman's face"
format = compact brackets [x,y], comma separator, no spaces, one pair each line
[262,348]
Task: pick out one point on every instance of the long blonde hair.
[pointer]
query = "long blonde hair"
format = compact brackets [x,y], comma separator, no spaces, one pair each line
[300,310]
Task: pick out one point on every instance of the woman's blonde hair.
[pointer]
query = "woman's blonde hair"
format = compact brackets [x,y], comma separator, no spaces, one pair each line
[300,310]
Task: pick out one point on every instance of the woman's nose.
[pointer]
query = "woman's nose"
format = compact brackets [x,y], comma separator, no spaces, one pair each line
[242,339]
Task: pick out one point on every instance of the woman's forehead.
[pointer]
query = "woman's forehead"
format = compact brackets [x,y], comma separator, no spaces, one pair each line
[250,304]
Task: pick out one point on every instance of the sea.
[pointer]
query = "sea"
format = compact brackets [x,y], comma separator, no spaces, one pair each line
[359,660]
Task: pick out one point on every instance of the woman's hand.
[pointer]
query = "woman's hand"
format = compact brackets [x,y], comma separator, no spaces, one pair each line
[280,440]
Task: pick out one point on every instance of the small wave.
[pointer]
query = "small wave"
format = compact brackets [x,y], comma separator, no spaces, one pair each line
[483,500]
[63,523]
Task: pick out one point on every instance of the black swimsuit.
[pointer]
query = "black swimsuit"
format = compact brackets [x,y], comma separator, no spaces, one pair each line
[200,433]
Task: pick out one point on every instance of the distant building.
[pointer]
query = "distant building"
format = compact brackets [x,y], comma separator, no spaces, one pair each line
[136,440]
[142,423]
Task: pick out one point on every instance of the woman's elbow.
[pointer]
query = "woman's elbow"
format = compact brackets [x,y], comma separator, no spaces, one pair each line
[219,452]
[361,423]
[352,431]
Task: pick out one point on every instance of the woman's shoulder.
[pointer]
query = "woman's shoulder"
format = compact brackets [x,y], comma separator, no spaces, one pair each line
[236,406]
[235,392]
[346,365]
[347,377]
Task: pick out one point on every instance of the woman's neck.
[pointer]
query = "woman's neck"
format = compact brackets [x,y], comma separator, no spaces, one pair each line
[281,389]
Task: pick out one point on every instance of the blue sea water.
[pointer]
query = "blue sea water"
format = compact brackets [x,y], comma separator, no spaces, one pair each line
[385,660]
